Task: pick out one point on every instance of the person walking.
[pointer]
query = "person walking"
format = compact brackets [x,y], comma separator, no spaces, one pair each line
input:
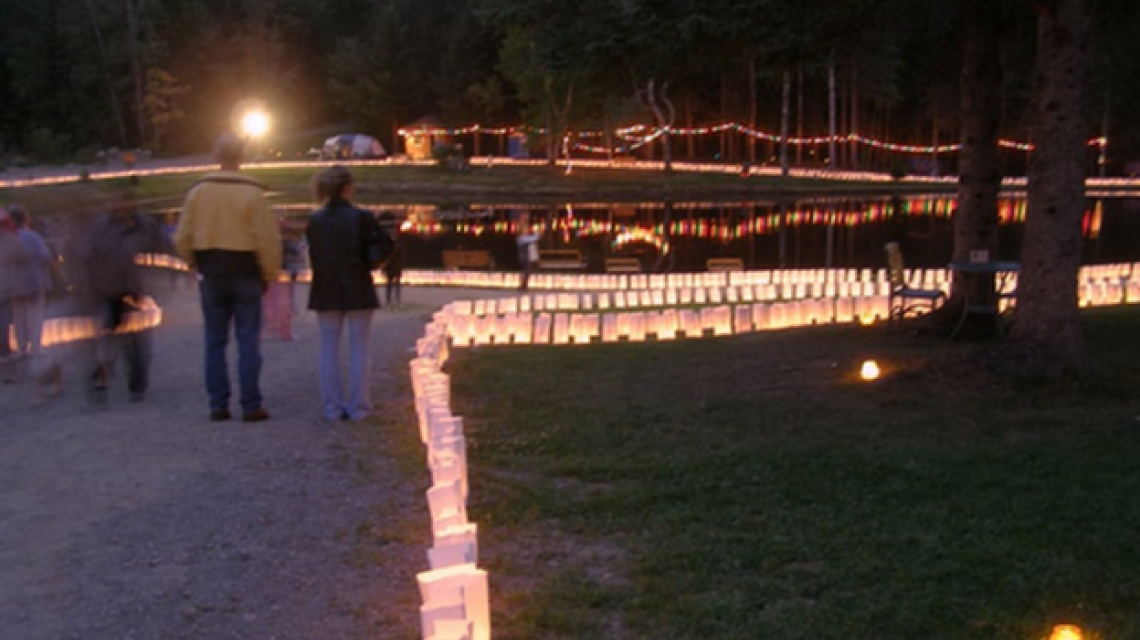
[12,259]
[30,286]
[229,235]
[108,284]
[527,241]
[394,270]
[342,293]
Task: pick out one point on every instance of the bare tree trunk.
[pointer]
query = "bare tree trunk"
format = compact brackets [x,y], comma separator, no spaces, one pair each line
[785,121]
[663,111]
[800,115]
[551,140]
[723,117]
[1047,314]
[134,56]
[105,65]
[832,132]
[689,140]
[853,124]
[934,152]
[1102,151]
[752,109]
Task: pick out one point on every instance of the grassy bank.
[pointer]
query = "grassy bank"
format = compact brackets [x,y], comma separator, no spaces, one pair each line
[432,185]
[752,487]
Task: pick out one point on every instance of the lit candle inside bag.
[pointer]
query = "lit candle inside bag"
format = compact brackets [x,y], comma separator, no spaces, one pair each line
[460,584]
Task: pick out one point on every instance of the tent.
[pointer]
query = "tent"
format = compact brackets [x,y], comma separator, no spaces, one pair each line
[352,145]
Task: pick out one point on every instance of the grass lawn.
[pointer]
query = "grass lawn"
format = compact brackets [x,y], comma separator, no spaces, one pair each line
[752,487]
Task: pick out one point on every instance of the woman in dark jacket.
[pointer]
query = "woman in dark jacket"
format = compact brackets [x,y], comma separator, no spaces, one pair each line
[342,292]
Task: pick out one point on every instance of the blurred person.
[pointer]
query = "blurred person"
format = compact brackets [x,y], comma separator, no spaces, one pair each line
[12,258]
[293,260]
[342,292]
[277,303]
[30,285]
[527,241]
[394,267]
[108,285]
[229,235]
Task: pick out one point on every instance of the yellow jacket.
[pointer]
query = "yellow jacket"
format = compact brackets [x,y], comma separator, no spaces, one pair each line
[227,211]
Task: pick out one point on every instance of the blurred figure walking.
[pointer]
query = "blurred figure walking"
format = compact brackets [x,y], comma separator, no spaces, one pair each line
[108,285]
[30,285]
[12,258]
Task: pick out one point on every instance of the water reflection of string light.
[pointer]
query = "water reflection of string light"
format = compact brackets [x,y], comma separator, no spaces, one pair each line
[638,234]
[749,218]
[1009,212]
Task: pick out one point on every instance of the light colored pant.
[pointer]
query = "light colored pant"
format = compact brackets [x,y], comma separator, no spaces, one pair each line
[28,319]
[335,405]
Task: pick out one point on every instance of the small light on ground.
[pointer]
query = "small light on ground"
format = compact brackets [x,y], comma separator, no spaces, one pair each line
[869,371]
[1066,632]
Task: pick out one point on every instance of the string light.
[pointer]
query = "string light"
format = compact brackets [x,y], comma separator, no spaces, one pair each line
[638,135]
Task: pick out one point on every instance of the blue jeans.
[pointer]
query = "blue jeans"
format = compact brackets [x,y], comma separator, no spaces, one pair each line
[235,299]
[334,404]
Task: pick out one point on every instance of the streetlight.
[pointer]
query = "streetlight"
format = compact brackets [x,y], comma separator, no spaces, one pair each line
[250,119]
[254,124]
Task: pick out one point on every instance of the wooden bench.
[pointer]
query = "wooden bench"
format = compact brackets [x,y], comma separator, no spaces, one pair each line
[560,260]
[623,265]
[467,259]
[725,264]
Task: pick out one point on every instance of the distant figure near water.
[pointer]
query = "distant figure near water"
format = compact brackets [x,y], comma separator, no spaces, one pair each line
[527,241]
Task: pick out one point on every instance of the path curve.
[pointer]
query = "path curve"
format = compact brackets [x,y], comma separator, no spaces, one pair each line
[146,520]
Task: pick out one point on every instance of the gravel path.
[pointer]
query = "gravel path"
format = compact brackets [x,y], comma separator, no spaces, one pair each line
[145,520]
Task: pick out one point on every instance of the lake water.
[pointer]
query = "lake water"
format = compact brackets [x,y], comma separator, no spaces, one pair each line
[834,232]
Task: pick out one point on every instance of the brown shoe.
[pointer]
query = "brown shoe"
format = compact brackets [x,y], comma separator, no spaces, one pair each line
[219,415]
[257,415]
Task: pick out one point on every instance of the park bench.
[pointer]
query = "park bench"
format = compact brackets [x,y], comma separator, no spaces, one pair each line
[467,259]
[619,264]
[560,260]
[725,264]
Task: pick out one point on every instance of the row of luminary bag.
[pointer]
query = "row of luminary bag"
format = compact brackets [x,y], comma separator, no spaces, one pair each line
[454,592]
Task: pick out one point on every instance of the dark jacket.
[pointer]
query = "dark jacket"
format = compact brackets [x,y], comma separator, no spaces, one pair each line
[338,251]
[100,258]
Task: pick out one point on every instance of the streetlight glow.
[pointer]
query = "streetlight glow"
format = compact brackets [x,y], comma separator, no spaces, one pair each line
[255,124]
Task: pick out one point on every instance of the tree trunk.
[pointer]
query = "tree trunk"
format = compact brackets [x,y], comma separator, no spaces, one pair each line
[105,65]
[1047,314]
[976,220]
[663,111]
[752,109]
[853,124]
[934,153]
[689,140]
[785,121]
[134,55]
[832,132]
[800,115]
[723,116]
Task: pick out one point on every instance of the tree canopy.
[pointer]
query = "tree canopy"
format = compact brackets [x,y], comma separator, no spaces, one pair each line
[80,75]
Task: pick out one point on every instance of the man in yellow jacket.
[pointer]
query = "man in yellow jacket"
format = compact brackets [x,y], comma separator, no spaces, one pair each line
[229,235]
